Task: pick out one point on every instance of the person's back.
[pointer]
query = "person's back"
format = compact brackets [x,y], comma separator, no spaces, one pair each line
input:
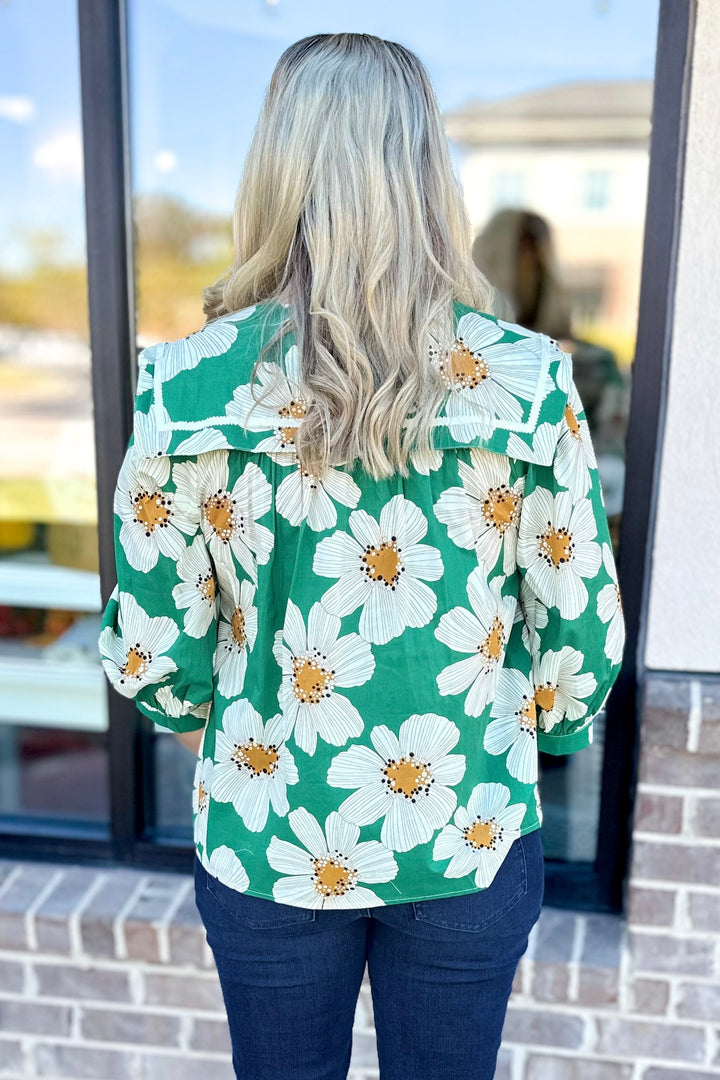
[378,648]
[361,547]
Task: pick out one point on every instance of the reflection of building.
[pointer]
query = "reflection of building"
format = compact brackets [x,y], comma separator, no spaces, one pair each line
[577,154]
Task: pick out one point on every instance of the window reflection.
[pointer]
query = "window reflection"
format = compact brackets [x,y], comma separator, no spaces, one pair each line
[52,695]
[548,122]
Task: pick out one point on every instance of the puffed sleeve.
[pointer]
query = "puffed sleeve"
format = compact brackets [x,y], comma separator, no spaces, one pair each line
[159,627]
[569,594]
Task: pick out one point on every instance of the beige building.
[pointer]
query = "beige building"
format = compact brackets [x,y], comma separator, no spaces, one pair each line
[576,153]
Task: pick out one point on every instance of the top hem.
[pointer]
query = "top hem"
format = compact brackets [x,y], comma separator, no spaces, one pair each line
[389,903]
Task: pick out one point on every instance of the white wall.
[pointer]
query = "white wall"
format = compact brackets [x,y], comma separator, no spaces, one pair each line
[684,616]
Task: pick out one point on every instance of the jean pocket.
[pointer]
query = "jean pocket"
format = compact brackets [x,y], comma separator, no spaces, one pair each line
[478,910]
[256,912]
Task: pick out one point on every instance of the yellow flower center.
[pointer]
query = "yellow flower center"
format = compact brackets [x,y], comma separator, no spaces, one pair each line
[492,647]
[408,777]
[207,588]
[152,510]
[500,509]
[463,368]
[136,663]
[482,834]
[257,758]
[331,878]
[527,715]
[294,410]
[220,515]
[238,627]
[555,546]
[545,697]
[383,563]
[572,422]
[311,682]
[202,795]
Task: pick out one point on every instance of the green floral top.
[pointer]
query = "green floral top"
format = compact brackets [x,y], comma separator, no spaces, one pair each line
[375,663]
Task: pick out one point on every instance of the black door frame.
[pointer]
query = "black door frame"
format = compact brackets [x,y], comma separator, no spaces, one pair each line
[597,885]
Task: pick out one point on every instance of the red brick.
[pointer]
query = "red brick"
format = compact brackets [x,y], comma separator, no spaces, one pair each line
[73,981]
[117,1025]
[543,1028]
[549,1067]
[678,768]
[651,907]
[672,955]
[550,982]
[81,1062]
[657,1072]
[704,909]
[199,992]
[598,986]
[649,996]
[658,813]
[52,927]
[676,862]
[32,1017]
[665,710]
[699,1001]
[213,1036]
[648,1038]
[705,820]
[183,1067]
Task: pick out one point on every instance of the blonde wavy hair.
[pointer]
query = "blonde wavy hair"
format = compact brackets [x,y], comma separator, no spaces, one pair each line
[349,211]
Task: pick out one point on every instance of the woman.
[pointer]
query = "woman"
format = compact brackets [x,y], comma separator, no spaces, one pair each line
[362,552]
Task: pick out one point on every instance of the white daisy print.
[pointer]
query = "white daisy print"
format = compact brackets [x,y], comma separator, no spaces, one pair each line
[203,440]
[481,834]
[538,803]
[201,799]
[211,340]
[302,496]
[237,630]
[426,461]
[152,524]
[574,456]
[197,593]
[560,687]
[315,664]
[484,513]
[174,707]
[610,610]
[407,779]
[282,409]
[556,549]
[383,568]
[486,377]
[331,869]
[515,725]
[224,865]
[253,766]
[533,616]
[542,448]
[229,518]
[483,633]
[134,658]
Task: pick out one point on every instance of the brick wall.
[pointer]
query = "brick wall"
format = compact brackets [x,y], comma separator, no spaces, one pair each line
[106,974]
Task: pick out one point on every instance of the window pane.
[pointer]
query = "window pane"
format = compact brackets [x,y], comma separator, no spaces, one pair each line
[52,694]
[549,116]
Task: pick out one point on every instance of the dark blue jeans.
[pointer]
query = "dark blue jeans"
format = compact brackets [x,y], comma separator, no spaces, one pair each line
[440,973]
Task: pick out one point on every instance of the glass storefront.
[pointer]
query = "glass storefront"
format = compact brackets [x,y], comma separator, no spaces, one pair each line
[549,122]
[53,706]
[552,155]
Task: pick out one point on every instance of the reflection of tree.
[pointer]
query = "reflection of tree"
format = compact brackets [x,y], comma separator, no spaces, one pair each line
[179,250]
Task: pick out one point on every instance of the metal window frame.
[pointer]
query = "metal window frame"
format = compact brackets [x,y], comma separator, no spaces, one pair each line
[130,838]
